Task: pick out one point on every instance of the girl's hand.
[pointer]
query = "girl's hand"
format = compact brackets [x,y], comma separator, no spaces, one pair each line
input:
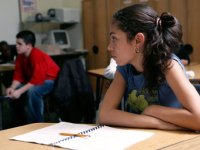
[153,110]
[168,126]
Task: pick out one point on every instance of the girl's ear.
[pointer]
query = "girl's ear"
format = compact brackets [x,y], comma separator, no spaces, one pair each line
[139,38]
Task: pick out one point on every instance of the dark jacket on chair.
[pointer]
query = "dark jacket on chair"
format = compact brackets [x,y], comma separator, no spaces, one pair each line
[74,94]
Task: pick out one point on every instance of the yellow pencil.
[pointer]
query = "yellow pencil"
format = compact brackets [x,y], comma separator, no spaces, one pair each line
[73,134]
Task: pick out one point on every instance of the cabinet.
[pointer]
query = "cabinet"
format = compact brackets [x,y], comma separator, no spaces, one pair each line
[95,32]
[97,15]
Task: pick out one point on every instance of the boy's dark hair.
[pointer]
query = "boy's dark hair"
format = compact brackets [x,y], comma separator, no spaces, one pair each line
[27,36]
[188,48]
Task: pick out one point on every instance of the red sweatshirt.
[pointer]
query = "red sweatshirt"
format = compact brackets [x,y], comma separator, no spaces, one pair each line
[36,68]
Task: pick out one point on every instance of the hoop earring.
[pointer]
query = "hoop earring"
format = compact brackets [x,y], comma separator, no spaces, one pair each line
[137,50]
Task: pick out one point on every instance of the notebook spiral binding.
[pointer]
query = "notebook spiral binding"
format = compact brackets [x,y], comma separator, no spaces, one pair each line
[83,132]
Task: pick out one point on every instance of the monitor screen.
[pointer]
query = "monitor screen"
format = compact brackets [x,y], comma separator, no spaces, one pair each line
[60,38]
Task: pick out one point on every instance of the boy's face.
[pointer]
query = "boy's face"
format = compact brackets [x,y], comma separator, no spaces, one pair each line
[22,47]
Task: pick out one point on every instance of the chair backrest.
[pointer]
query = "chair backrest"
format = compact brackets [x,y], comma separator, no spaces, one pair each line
[74,93]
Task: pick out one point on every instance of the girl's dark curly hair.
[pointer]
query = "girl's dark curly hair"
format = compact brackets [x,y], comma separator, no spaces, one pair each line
[162,37]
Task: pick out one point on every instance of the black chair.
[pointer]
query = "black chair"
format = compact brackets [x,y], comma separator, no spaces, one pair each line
[197,86]
[73,93]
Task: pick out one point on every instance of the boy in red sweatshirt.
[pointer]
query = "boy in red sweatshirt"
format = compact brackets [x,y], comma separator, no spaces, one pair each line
[35,73]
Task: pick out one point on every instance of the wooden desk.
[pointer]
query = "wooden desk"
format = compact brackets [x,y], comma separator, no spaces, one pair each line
[193,63]
[165,140]
[6,67]
[196,69]
[59,56]
[99,74]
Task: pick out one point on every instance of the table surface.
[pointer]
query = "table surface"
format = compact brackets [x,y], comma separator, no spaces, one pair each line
[196,69]
[7,67]
[175,140]
[194,66]
[55,53]
[97,72]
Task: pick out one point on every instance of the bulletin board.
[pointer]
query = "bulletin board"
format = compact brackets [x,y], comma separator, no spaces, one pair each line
[28,6]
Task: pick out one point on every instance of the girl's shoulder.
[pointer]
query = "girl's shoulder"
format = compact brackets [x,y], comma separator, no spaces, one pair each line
[175,59]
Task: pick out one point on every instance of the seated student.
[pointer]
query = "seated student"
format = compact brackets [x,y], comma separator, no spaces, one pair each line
[149,76]
[110,69]
[35,73]
[184,53]
[6,54]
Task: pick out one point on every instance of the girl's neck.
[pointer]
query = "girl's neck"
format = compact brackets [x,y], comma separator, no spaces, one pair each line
[139,68]
[138,63]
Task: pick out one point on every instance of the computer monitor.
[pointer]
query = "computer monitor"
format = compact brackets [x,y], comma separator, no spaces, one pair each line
[60,38]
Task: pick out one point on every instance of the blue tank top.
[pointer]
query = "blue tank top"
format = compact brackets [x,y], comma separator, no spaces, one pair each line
[137,97]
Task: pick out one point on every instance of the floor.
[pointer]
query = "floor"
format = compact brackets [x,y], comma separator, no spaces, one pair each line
[5,118]
[50,114]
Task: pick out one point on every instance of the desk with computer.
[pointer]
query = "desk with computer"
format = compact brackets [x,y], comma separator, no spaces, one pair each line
[57,44]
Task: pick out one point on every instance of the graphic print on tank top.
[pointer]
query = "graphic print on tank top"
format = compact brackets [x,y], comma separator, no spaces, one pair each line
[139,100]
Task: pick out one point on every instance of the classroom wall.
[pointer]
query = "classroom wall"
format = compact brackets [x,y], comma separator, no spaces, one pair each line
[10,23]
[11,15]
[42,6]
[187,12]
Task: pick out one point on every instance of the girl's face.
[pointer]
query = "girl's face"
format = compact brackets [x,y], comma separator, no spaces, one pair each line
[122,50]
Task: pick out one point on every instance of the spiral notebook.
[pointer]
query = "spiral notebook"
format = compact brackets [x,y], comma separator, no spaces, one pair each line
[98,137]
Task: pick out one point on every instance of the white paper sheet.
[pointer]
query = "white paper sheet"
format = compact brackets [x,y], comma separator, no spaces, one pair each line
[104,137]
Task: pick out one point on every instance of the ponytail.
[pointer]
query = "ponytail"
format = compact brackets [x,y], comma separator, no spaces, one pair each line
[165,40]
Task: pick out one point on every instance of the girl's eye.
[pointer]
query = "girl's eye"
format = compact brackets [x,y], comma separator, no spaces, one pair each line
[113,39]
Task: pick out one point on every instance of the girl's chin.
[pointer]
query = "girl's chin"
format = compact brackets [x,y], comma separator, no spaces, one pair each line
[116,61]
[114,58]
[120,64]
